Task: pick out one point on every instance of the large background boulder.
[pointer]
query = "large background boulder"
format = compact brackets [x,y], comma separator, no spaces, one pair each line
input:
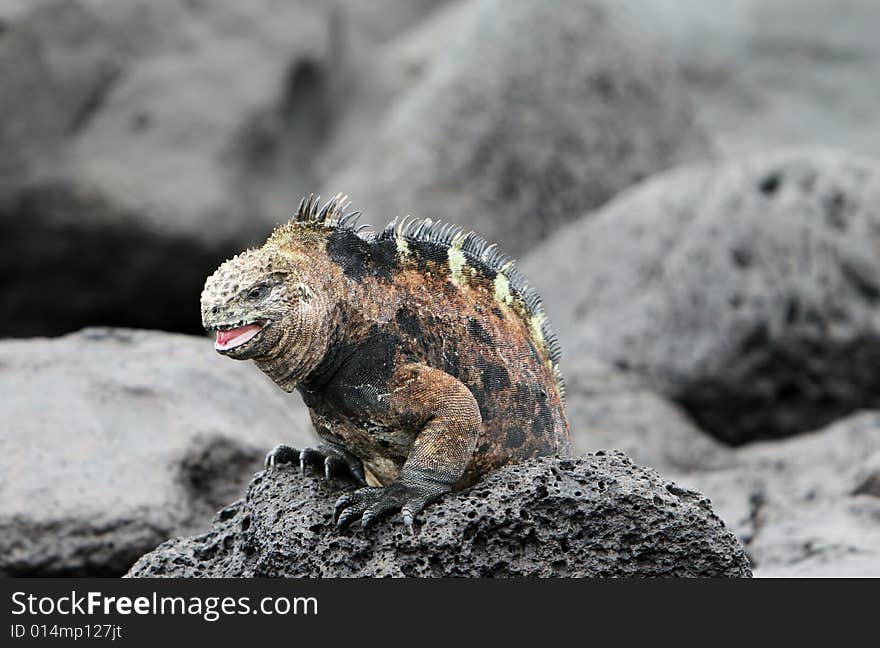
[143,143]
[610,409]
[804,506]
[746,290]
[71,59]
[533,114]
[600,515]
[114,440]
[782,73]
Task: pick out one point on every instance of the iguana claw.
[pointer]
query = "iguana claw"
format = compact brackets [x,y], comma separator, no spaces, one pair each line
[280,454]
[331,461]
[372,504]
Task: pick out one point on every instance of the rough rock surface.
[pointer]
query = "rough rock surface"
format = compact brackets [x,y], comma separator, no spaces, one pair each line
[114,440]
[533,114]
[805,506]
[746,290]
[599,515]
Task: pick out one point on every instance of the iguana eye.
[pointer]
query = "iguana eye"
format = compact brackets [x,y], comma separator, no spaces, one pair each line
[258,292]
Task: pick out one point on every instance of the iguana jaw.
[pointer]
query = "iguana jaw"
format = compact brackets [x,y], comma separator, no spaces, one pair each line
[228,338]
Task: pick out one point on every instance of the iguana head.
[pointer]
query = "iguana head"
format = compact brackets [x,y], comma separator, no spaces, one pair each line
[276,304]
[267,305]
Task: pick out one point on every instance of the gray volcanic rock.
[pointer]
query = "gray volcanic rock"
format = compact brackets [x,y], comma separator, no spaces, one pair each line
[805,506]
[410,56]
[745,290]
[773,74]
[533,114]
[71,61]
[114,440]
[609,409]
[599,515]
[383,20]
[144,142]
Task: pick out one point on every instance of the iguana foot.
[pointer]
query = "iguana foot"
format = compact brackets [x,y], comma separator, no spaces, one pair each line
[371,504]
[332,461]
[280,454]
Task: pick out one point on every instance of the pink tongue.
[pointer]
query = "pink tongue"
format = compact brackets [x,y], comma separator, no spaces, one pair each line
[245,332]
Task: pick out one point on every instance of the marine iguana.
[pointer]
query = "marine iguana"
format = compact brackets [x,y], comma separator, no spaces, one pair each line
[423,356]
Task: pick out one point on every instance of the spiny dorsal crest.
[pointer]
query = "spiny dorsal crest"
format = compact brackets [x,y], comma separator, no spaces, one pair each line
[332,216]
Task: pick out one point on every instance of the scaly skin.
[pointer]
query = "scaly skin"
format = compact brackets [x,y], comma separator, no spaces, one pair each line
[424,359]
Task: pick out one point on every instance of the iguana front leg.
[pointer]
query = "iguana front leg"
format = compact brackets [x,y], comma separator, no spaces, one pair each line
[449,418]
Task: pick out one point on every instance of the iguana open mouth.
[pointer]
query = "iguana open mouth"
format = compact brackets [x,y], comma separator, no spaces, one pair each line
[230,338]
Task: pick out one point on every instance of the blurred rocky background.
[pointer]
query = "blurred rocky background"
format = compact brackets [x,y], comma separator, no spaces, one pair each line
[693,186]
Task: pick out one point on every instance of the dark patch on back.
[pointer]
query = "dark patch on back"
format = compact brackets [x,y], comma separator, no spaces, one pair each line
[542,426]
[375,355]
[476,330]
[452,364]
[482,269]
[384,261]
[359,258]
[497,312]
[408,323]
[429,257]
[515,437]
[349,252]
[495,376]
